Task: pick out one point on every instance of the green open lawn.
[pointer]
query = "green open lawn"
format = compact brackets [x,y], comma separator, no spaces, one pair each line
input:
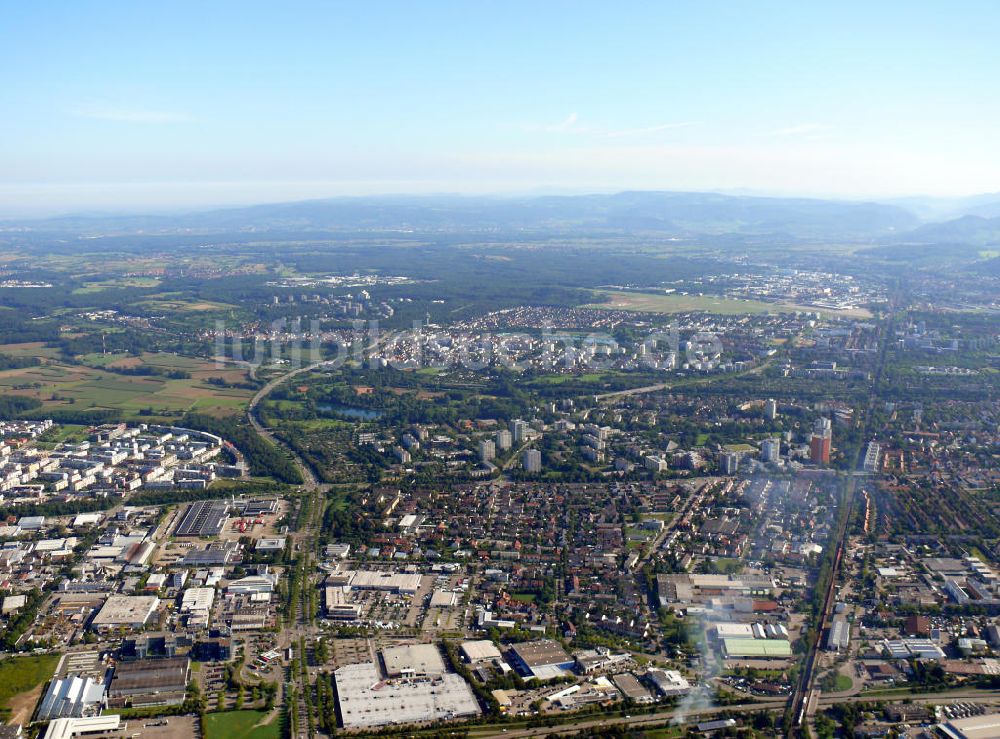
[559,379]
[97,286]
[241,725]
[22,675]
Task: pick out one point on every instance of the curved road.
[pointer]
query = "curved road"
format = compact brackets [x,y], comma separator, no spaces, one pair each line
[310,482]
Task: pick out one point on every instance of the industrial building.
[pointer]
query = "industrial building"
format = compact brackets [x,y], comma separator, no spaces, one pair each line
[543,659]
[839,636]
[253,584]
[133,611]
[197,603]
[216,554]
[150,682]
[907,648]
[204,518]
[366,700]
[270,544]
[669,682]
[68,728]
[481,650]
[390,582]
[71,697]
[986,726]
[254,508]
[757,648]
[631,688]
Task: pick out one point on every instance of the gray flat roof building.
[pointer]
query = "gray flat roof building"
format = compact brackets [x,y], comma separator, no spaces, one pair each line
[203,518]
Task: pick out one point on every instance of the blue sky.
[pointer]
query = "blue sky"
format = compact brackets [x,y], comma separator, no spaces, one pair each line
[130,105]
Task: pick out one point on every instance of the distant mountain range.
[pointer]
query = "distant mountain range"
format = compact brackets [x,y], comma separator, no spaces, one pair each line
[680,214]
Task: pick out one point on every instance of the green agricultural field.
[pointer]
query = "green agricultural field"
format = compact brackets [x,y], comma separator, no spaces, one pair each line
[100,286]
[29,349]
[82,387]
[242,725]
[21,679]
[165,304]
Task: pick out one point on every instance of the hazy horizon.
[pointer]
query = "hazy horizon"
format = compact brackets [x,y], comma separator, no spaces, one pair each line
[124,108]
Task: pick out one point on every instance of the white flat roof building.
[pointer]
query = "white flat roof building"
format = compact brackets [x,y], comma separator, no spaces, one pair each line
[366,700]
[413,659]
[13,603]
[67,728]
[197,600]
[254,584]
[71,697]
[126,610]
[733,631]
[480,650]
[974,727]
[271,544]
[394,582]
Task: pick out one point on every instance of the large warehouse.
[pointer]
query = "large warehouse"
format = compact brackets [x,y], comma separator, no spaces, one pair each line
[366,700]
[391,582]
[133,611]
[204,518]
[150,682]
[71,697]
[974,727]
[408,660]
[542,659]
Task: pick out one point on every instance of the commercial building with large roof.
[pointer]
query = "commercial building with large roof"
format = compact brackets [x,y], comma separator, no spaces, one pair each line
[393,582]
[71,697]
[986,726]
[204,518]
[150,682]
[669,682]
[366,700]
[67,728]
[758,648]
[542,659]
[480,650]
[133,611]
[408,660]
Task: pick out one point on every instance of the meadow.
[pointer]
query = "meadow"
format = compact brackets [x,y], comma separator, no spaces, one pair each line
[241,725]
[20,681]
[90,385]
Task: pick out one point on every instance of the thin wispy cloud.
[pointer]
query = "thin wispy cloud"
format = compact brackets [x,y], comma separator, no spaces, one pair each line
[132,115]
[571,124]
[565,125]
[647,129]
[801,129]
